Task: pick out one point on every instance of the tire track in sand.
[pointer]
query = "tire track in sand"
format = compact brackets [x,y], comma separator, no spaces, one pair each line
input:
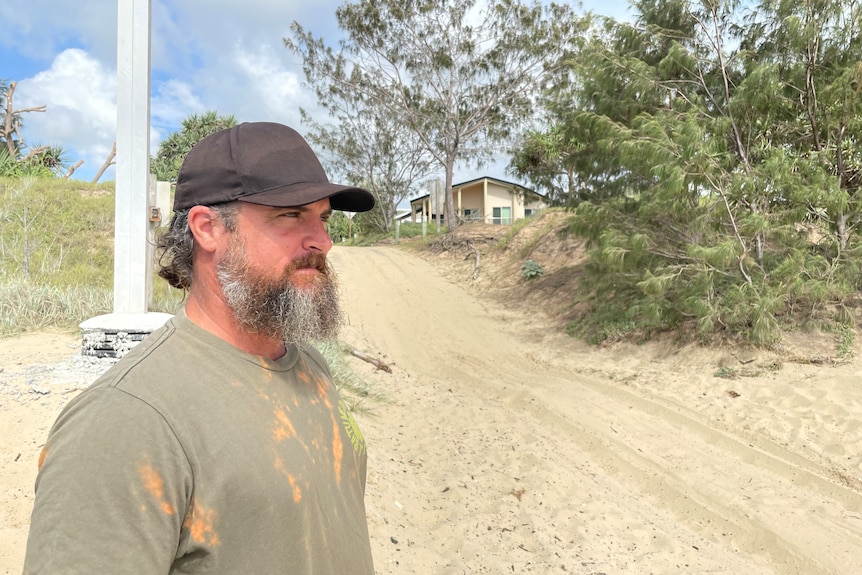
[626,482]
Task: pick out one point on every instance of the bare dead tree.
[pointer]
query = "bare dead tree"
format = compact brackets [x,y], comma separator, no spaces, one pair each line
[72,169]
[109,161]
[33,153]
[11,131]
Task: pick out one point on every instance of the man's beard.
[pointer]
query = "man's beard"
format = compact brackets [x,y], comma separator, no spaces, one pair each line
[278,307]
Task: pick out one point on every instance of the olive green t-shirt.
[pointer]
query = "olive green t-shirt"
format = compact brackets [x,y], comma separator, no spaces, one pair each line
[190,456]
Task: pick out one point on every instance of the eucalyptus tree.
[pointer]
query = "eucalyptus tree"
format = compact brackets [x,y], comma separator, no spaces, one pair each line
[173,149]
[459,76]
[372,149]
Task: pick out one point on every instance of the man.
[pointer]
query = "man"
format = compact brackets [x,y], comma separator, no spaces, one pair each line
[218,445]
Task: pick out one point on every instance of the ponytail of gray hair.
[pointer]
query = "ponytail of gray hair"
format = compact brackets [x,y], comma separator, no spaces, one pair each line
[176,246]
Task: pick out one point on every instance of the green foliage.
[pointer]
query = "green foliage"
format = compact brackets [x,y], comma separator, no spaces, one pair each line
[457,78]
[173,149]
[56,232]
[340,227]
[25,306]
[47,163]
[725,373]
[531,269]
[414,229]
[359,395]
[17,159]
[56,255]
[708,152]
[846,339]
[513,230]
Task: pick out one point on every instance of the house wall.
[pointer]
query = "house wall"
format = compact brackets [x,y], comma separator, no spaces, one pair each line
[482,197]
[471,199]
[501,197]
[536,205]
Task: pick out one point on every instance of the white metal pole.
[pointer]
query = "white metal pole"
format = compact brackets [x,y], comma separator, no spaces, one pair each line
[132,258]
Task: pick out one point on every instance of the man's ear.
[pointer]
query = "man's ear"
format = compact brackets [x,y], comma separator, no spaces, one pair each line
[206,227]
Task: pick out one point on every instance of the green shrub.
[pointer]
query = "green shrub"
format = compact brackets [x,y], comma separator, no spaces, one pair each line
[531,269]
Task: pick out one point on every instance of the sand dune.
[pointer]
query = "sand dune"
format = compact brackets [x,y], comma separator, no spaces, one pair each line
[508,447]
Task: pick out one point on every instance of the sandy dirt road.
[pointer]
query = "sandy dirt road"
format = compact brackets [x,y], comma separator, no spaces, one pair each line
[509,449]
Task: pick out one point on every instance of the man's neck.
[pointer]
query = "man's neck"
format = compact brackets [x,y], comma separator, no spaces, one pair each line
[219,320]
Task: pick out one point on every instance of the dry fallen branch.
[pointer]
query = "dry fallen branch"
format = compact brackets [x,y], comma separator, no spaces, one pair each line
[476,263]
[372,360]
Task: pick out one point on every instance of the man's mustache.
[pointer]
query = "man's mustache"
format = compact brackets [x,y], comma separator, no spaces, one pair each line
[309,261]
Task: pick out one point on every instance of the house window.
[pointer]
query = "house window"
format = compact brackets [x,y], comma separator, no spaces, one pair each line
[471,214]
[528,212]
[502,216]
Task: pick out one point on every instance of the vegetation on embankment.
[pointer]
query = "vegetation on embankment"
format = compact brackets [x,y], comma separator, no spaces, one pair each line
[545,263]
[57,254]
[56,260]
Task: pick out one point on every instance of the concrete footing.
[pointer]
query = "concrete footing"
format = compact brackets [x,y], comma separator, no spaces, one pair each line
[114,334]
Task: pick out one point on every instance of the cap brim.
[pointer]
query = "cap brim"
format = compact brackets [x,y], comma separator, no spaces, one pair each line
[344,198]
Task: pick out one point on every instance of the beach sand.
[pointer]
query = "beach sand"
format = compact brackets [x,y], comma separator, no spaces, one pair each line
[508,447]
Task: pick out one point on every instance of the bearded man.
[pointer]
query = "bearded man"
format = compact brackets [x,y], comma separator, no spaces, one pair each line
[219,444]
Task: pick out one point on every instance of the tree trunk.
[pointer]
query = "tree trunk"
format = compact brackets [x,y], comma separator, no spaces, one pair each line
[108,163]
[843,234]
[451,217]
[72,169]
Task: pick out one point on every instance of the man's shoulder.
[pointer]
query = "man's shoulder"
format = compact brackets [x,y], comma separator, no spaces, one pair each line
[161,350]
[316,357]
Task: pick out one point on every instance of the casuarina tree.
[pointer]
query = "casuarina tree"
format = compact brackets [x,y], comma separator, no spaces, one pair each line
[461,77]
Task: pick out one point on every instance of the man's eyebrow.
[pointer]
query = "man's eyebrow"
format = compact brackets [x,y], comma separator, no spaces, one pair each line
[326,212]
[303,208]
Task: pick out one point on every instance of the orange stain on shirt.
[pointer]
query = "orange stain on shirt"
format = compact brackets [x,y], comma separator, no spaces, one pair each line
[294,485]
[201,525]
[154,484]
[291,479]
[42,455]
[283,427]
[337,449]
[322,388]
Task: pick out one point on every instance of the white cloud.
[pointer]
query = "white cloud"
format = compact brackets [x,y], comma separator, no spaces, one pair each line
[267,89]
[41,28]
[206,55]
[172,101]
[81,116]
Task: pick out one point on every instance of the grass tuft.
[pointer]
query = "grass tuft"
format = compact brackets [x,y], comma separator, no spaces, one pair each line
[359,396]
[25,306]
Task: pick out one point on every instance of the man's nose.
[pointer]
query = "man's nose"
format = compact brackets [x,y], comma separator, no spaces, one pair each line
[317,238]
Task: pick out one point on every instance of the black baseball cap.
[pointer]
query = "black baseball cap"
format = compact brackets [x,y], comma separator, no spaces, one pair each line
[260,163]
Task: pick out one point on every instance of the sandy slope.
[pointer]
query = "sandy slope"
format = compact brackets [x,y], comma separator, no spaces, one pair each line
[509,448]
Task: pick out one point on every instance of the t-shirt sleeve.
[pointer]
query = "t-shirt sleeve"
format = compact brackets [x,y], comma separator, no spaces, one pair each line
[112,490]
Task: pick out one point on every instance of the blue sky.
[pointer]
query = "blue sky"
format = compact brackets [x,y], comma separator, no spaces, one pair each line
[223,55]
